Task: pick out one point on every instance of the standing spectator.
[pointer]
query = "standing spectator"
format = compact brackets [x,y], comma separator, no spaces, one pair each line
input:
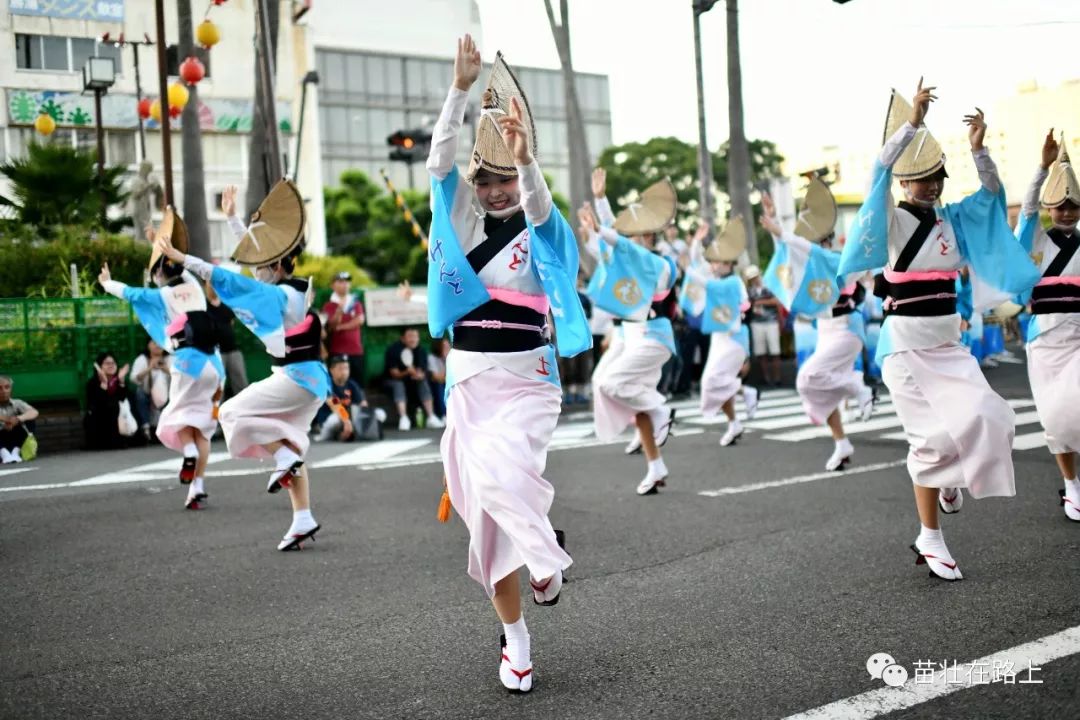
[14,416]
[764,325]
[344,315]
[436,366]
[406,370]
[346,393]
[231,357]
[105,390]
[150,375]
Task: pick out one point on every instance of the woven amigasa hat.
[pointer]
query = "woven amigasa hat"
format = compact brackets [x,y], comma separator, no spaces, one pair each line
[923,157]
[173,228]
[817,217]
[729,244]
[652,212]
[276,228]
[1061,185]
[490,152]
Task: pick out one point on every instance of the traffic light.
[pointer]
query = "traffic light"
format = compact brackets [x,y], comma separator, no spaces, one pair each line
[409,145]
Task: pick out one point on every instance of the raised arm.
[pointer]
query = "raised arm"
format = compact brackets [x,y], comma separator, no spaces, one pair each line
[1049,154]
[920,105]
[604,214]
[769,222]
[535,194]
[988,174]
[444,137]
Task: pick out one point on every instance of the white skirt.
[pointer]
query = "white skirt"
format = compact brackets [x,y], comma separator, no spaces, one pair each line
[960,431]
[720,377]
[625,384]
[494,451]
[191,404]
[1054,373]
[828,376]
[270,410]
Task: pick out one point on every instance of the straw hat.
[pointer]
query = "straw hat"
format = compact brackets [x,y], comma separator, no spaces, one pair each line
[173,228]
[653,211]
[490,152]
[728,245]
[817,218]
[276,229]
[923,156]
[751,272]
[1061,185]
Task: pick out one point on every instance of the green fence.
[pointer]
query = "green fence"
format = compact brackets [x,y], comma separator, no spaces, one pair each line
[49,346]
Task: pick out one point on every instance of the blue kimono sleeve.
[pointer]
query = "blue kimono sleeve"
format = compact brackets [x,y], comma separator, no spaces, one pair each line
[555,262]
[149,307]
[260,307]
[867,246]
[988,244]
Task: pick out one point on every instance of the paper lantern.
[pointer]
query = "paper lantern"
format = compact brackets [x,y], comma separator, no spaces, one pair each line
[207,34]
[192,70]
[155,110]
[45,124]
[178,96]
[175,112]
[144,108]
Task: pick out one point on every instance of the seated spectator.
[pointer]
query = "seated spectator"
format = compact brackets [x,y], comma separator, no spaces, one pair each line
[231,357]
[16,418]
[406,370]
[105,391]
[150,376]
[346,394]
[436,366]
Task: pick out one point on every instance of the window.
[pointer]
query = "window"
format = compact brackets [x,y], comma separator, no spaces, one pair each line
[61,54]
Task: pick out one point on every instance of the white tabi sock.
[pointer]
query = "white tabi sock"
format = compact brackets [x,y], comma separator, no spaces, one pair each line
[517,644]
[196,486]
[657,468]
[932,542]
[190,450]
[1072,490]
[284,457]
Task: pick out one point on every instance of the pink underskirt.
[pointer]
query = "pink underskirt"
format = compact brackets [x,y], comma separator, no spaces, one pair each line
[539,303]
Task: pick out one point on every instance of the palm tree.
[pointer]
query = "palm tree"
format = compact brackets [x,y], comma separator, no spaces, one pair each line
[191,146]
[580,160]
[56,184]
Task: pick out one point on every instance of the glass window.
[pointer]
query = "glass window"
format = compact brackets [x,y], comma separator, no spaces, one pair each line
[376,76]
[110,50]
[378,128]
[598,137]
[81,50]
[355,76]
[55,52]
[437,80]
[333,74]
[338,124]
[414,78]
[120,147]
[28,52]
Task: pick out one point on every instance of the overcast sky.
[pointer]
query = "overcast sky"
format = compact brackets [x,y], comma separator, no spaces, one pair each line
[815,72]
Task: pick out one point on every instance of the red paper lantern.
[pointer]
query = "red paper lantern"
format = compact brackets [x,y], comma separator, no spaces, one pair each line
[144,108]
[174,111]
[192,70]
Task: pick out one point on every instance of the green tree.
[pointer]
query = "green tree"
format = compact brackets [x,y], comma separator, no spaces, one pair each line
[634,166]
[58,185]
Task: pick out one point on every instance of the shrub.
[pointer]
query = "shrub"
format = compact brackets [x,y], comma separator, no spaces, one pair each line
[40,268]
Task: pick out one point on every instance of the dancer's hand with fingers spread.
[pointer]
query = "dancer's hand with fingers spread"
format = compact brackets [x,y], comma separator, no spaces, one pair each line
[515,134]
[920,104]
[228,200]
[1049,150]
[976,129]
[164,244]
[700,234]
[104,276]
[599,182]
[768,207]
[768,217]
[466,63]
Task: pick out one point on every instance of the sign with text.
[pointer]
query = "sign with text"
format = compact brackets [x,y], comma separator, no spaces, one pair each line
[385,308]
[99,10]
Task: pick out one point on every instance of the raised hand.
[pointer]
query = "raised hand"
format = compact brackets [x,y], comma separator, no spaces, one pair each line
[466,63]
[164,244]
[701,233]
[587,218]
[768,207]
[976,129]
[599,182]
[404,291]
[515,134]
[228,200]
[1049,150]
[768,220]
[123,373]
[104,276]
[920,104]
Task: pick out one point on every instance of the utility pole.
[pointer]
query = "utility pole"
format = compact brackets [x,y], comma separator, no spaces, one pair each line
[738,150]
[163,93]
[705,173]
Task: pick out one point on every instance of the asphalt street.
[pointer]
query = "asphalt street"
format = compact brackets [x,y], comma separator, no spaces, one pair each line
[762,598]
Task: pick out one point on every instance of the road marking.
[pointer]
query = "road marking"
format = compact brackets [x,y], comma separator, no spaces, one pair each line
[15,471]
[882,701]
[753,487]
[870,426]
[377,452]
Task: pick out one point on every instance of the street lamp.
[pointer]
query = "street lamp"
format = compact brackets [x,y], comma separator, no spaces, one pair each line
[121,43]
[312,78]
[705,174]
[99,74]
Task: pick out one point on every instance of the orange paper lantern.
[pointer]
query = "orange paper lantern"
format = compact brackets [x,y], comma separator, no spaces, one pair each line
[45,124]
[207,34]
[155,110]
[178,96]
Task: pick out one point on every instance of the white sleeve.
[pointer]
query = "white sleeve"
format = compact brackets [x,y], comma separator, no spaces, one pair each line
[198,266]
[609,235]
[535,195]
[114,287]
[237,226]
[603,212]
[1031,199]
[697,275]
[894,146]
[988,173]
[592,245]
[795,241]
[444,137]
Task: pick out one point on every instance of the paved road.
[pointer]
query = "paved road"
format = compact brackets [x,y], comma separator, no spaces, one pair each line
[761,598]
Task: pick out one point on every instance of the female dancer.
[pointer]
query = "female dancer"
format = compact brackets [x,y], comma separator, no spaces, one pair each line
[1053,338]
[271,418]
[500,257]
[960,431]
[174,315]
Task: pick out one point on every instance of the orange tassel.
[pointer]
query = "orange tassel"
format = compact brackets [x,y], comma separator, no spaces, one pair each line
[340,410]
[444,507]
